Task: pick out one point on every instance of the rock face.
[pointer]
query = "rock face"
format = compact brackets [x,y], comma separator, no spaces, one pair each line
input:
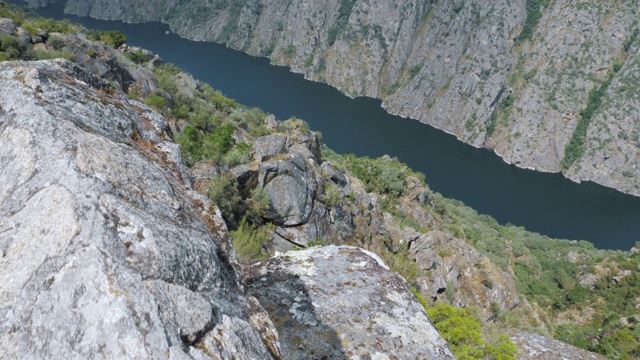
[104,253]
[458,65]
[537,347]
[7,27]
[328,303]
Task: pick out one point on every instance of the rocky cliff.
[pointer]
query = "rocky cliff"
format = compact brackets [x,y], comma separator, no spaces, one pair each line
[513,76]
[107,252]
[279,190]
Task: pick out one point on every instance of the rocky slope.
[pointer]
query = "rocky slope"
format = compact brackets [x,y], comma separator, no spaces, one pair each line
[514,76]
[108,252]
[441,247]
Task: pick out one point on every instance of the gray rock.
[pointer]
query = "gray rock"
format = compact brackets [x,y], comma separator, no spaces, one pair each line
[7,27]
[23,37]
[156,61]
[537,347]
[291,188]
[187,84]
[104,253]
[44,34]
[339,302]
[268,146]
[37,39]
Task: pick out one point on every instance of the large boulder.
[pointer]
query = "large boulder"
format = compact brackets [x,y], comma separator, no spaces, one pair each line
[340,302]
[105,251]
[268,146]
[7,26]
[291,187]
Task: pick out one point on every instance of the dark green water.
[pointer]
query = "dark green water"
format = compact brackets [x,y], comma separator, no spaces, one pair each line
[544,203]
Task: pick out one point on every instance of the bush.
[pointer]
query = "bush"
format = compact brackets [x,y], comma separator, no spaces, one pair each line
[113,38]
[249,241]
[223,191]
[56,42]
[138,57]
[190,142]
[257,204]
[157,102]
[460,329]
[217,144]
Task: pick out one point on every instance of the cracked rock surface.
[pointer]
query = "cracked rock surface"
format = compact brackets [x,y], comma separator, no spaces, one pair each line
[104,253]
[340,301]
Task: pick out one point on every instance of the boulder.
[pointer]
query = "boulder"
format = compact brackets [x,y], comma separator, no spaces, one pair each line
[268,146]
[23,37]
[537,347]
[44,34]
[339,302]
[7,27]
[291,186]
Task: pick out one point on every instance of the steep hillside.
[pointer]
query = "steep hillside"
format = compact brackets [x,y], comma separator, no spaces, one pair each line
[107,252]
[547,84]
[279,189]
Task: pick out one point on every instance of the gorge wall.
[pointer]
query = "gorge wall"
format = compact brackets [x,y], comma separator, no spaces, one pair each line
[513,76]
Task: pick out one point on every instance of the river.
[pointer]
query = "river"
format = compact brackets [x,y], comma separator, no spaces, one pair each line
[546,203]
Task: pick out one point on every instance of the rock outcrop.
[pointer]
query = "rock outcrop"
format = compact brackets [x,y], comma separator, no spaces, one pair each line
[537,347]
[327,303]
[104,252]
[461,66]
[107,252]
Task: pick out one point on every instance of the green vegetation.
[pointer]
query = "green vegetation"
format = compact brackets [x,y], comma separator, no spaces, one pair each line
[575,148]
[534,13]
[463,331]
[546,271]
[113,38]
[137,56]
[15,48]
[343,19]
[385,175]
[249,241]
[546,275]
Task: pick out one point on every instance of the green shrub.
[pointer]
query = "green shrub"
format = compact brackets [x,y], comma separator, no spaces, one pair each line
[575,148]
[218,143]
[401,264]
[344,14]
[534,14]
[45,55]
[56,42]
[190,142]
[157,102]
[223,191]
[138,57]
[257,204]
[249,241]
[240,154]
[460,329]
[113,38]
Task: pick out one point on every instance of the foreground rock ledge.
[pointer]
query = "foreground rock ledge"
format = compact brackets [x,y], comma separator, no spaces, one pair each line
[335,302]
[103,251]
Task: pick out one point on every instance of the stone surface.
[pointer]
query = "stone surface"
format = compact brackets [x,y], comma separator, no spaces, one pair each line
[343,302]
[291,188]
[104,253]
[266,147]
[537,347]
[7,27]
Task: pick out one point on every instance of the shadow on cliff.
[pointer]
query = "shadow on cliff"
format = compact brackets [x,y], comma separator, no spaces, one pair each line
[287,301]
